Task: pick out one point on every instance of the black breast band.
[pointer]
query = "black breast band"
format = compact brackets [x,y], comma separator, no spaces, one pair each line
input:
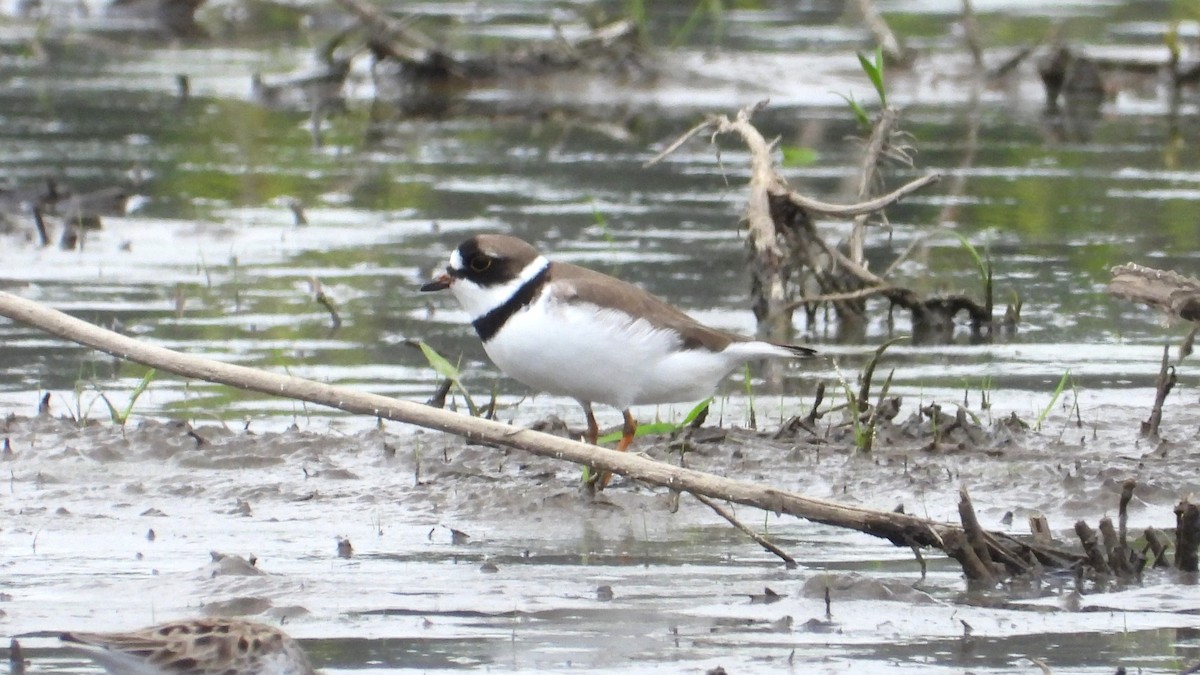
[489,324]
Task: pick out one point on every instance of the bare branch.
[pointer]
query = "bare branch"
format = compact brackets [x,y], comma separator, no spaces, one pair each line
[880,202]
[834,297]
[687,135]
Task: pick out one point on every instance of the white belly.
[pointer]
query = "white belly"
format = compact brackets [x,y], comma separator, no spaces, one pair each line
[589,354]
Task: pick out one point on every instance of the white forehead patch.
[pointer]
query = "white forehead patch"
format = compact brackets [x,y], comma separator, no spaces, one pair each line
[456,261]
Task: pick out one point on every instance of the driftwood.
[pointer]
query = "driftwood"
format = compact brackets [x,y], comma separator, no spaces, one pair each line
[611,47]
[788,257]
[786,253]
[899,528]
[1173,293]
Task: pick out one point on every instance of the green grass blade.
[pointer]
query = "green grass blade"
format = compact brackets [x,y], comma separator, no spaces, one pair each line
[690,24]
[859,112]
[796,155]
[650,429]
[874,73]
[980,263]
[1062,384]
[443,367]
[696,412]
[113,413]
[137,392]
[440,365]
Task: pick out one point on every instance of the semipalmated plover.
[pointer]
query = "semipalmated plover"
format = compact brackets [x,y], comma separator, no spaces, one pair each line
[575,332]
[196,647]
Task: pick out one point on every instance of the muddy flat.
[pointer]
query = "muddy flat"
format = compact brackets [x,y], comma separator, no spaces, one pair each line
[386,548]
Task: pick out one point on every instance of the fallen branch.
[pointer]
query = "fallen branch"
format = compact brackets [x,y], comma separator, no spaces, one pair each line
[1169,291]
[901,529]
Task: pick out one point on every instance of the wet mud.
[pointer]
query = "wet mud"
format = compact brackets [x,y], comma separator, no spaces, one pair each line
[225,203]
[421,549]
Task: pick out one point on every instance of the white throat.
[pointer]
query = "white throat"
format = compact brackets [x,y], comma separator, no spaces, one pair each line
[479,300]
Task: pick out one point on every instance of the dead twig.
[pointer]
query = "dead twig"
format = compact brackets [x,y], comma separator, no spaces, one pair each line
[318,292]
[1123,520]
[1156,547]
[1187,537]
[1162,387]
[39,221]
[814,205]
[762,541]
[884,37]
[970,24]
[1087,537]
[868,173]
[974,534]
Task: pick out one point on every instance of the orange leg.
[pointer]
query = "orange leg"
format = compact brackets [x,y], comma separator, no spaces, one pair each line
[593,429]
[627,432]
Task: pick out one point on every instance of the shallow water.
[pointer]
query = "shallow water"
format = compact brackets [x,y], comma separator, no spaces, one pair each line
[209,261]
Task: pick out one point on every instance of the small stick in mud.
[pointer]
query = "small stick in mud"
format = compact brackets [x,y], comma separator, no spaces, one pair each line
[1187,536]
[40,223]
[1123,518]
[1156,547]
[815,414]
[762,541]
[1162,386]
[1039,527]
[297,208]
[1114,549]
[920,558]
[71,237]
[956,546]
[16,658]
[970,523]
[438,400]
[1087,537]
[314,285]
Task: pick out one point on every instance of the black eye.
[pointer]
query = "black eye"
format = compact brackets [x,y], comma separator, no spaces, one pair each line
[480,263]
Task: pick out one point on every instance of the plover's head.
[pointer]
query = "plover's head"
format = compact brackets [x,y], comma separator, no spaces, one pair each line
[486,270]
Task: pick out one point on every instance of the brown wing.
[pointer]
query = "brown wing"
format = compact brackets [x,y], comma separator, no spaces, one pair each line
[579,284]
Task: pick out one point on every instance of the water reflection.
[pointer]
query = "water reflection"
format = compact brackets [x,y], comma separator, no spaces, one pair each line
[212,261]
